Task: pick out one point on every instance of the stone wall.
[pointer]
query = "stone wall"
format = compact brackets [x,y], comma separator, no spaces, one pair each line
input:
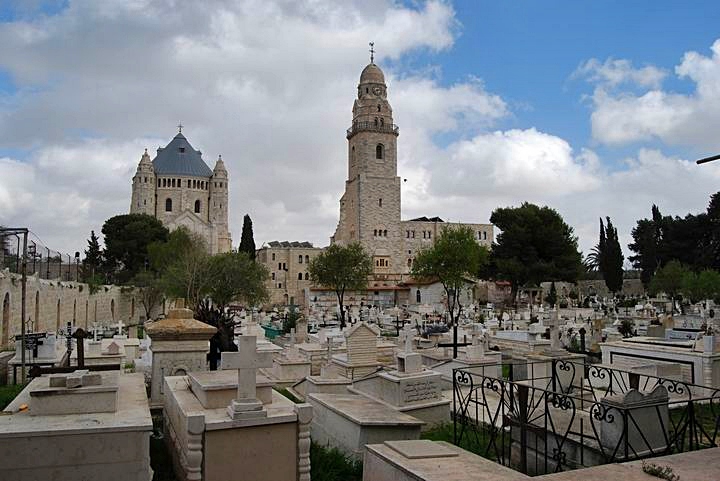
[289,278]
[50,304]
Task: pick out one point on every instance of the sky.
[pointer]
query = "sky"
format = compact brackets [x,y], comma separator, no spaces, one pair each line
[592,108]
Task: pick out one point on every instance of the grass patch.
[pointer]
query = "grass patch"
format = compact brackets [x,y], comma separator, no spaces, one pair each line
[478,442]
[160,459]
[331,464]
[288,394]
[8,393]
[707,416]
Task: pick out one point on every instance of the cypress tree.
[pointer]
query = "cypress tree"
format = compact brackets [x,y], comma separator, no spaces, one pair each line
[612,269]
[93,258]
[247,242]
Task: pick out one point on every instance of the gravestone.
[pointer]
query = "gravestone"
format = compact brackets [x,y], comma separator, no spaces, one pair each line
[247,361]
[362,352]
[179,345]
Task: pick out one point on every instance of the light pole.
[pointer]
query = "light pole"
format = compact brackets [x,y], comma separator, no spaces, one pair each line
[77,266]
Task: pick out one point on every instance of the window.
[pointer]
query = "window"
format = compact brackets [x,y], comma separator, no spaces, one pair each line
[407,234]
[197,206]
[409,263]
[417,296]
[284,266]
[279,266]
[376,122]
[484,235]
[307,276]
[173,183]
[307,259]
[182,150]
[164,182]
[159,182]
[375,232]
[379,151]
[146,180]
[379,202]
[413,234]
[144,202]
[367,91]
[379,109]
[279,285]
[272,276]
[352,154]
[194,184]
[168,205]
[429,235]
[300,259]
[273,256]
[385,233]
[299,276]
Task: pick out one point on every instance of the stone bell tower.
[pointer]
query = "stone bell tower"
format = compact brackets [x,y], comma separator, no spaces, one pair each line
[370,206]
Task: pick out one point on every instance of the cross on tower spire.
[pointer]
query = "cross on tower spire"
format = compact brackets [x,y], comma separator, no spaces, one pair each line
[372,52]
[180,127]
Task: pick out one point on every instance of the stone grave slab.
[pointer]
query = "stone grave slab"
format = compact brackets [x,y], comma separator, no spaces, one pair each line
[76,393]
[216,389]
[421,449]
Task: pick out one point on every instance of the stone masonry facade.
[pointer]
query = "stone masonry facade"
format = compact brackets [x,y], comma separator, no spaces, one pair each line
[179,189]
[51,304]
[370,208]
[287,263]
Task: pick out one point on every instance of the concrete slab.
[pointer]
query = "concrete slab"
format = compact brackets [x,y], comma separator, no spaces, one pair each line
[421,449]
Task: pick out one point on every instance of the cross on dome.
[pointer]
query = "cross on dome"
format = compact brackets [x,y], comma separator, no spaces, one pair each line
[372,52]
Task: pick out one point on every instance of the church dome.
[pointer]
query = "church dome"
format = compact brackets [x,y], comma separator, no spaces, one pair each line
[372,75]
[179,158]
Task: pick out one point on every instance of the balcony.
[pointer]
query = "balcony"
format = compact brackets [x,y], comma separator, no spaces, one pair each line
[372,127]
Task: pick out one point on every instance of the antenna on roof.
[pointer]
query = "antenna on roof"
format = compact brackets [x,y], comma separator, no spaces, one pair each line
[372,52]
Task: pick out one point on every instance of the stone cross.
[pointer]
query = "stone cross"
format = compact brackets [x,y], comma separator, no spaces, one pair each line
[408,336]
[120,326]
[292,336]
[95,331]
[554,325]
[246,360]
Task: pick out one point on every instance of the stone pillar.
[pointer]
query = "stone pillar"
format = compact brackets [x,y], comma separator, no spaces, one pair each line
[179,344]
[304,416]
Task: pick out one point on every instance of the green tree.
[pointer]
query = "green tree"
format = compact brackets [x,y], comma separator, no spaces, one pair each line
[647,236]
[151,294]
[669,279]
[127,238]
[93,261]
[247,242]
[183,266]
[453,258]
[551,298]
[231,277]
[342,269]
[535,244]
[611,258]
[700,286]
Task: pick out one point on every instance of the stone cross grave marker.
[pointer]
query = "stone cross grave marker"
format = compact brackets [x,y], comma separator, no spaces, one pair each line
[554,325]
[120,326]
[246,360]
[95,331]
[408,332]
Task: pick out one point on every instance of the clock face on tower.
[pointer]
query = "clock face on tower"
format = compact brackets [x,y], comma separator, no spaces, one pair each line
[377,90]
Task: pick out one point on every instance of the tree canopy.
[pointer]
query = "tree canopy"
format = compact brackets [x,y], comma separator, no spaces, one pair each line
[127,238]
[452,259]
[610,257]
[535,244]
[247,241]
[341,268]
[93,261]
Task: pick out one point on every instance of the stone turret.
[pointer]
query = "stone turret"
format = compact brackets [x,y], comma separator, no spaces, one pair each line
[219,205]
[143,188]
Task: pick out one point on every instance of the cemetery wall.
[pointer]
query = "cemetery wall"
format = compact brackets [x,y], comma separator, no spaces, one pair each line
[50,304]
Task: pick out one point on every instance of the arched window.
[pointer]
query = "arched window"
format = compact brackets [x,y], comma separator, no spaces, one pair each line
[197,206]
[379,202]
[299,276]
[382,122]
[375,232]
[385,233]
[272,276]
[164,182]
[417,296]
[307,276]
[173,182]
[376,121]
[378,107]
[409,262]
[168,205]
[379,151]
[300,259]
[307,259]
[273,256]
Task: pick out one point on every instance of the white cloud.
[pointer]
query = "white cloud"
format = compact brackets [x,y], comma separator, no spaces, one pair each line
[624,116]
[614,72]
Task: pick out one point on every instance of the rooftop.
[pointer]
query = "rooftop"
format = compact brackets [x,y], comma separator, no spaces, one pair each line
[180,158]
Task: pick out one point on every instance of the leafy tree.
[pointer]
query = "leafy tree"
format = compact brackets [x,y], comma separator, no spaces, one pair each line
[342,269]
[290,321]
[611,257]
[183,264]
[151,294]
[452,259]
[647,236]
[127,238]
[669,279]
[535,244]
[626,328]
[93,261]
[231,277]
[551,298]
[247,242]
[701,286]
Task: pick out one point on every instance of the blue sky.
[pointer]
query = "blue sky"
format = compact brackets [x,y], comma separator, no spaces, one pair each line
[593,108]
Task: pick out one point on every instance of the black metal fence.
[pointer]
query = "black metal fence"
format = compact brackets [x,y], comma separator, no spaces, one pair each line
[42,261]
[557,415]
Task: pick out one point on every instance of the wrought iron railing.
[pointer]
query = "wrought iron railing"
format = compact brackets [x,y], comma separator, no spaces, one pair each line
[372,127]
[559,415]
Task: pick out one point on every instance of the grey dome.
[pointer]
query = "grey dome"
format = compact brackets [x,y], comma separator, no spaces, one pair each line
[179,158]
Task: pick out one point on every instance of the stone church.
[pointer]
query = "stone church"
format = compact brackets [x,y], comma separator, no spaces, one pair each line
[178,188]
[370,208]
